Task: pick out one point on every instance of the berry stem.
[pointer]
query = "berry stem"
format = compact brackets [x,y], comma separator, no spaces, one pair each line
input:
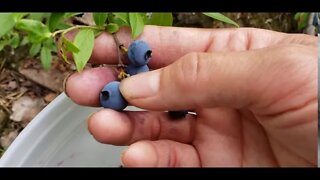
[120,63]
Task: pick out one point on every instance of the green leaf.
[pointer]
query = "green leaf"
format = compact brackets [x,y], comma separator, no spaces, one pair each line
[144,17]
[161,19]
[124,17]
[84,40]
[296,16]
[18,16]
[136,24]
[63,26]
[3,44]
[112,28]
[36,38]
[302,20]
[69,46]
[119,22]
[222,18]
[67,15]
[6,23]
[39,16]
[54,49]
[24,41]
[50,44]
[54,20]
[46,57]
[100,18]
[37,31]
[35,49]
[14,43]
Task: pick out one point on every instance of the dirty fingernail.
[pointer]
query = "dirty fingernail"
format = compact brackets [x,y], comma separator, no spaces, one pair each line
[64,85]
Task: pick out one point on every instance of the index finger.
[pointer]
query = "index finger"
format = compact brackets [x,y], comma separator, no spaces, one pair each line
[171,43]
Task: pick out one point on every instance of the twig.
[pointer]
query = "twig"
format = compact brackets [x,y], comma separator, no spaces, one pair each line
[2,65]
[120,63]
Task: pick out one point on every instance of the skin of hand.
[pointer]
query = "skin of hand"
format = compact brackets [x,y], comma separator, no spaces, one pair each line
[254,92]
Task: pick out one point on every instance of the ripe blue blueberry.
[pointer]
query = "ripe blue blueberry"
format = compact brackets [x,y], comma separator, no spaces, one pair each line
[133,70]
[111,97]
[139,53]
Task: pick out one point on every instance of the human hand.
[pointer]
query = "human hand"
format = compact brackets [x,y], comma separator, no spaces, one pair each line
[254,93]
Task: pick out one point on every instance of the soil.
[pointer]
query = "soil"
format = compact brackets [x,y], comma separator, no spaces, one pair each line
[26,87]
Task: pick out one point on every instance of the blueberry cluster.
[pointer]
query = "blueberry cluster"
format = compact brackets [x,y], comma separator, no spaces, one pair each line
[139,55]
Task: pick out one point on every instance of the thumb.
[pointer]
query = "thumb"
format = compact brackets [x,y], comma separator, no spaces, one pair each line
[230,79]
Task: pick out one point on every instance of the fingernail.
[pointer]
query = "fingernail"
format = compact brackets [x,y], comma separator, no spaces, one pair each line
[141,85]
[122,155]
[88,119]
[64,85]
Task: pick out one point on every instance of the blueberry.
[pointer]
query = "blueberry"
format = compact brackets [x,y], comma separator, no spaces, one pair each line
[111,97]
[139,53]
[177,114]
[133,70]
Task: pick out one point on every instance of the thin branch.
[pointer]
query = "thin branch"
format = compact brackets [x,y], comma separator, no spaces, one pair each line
[118,45]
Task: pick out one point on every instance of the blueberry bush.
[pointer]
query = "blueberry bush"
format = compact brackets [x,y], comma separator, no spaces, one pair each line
[46,32]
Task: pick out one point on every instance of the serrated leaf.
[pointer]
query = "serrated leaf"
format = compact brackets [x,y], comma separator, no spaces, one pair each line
[160,19]
[35,49]
[6,23]
[84,40]
[221,17]
[54,20]
[136,24]
[36,30]
[46,57]
[69,46]
[112,28]
[100,18]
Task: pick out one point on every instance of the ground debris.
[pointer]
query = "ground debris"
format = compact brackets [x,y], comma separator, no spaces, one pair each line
[51,79]
[3,119]
[7,139]
[50,97]
[26,108]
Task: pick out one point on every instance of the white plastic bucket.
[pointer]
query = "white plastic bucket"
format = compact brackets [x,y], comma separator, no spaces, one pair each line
[58,136]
